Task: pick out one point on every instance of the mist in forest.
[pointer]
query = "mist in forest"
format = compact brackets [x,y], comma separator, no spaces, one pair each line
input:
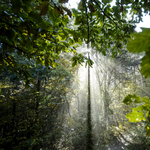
[110,82]
[53,112]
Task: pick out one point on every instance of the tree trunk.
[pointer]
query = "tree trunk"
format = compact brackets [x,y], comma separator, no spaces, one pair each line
[89,145]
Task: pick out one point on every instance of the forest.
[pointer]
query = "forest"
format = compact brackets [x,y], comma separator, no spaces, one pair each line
[74,78]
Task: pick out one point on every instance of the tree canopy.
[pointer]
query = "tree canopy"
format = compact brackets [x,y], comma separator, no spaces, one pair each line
[39,30]
[38,38]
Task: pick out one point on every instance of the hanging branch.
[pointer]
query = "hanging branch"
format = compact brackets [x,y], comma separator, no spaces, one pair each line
[106,14]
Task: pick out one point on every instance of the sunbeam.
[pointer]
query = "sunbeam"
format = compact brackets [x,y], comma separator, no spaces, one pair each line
[108,80]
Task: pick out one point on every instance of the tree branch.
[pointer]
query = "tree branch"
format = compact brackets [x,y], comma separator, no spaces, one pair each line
[13,47]
[19,49]
[106,14]
[124,138]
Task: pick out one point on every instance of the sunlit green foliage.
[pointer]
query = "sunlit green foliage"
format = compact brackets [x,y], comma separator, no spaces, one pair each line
[140,43]
[36,77]
[141,112]
[34,30]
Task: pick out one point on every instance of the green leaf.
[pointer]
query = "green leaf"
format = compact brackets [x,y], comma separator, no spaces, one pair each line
[145,65]
[140,41]
[136,115]
[36,17]
[75,12]
[131,98]
[80,5]
[147,130]
[71,41]
[146,100]
[106,1]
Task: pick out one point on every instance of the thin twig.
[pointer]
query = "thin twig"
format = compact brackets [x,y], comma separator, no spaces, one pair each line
[106,14]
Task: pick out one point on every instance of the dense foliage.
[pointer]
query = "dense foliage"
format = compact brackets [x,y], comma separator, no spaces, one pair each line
[30,117]
[36,75]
